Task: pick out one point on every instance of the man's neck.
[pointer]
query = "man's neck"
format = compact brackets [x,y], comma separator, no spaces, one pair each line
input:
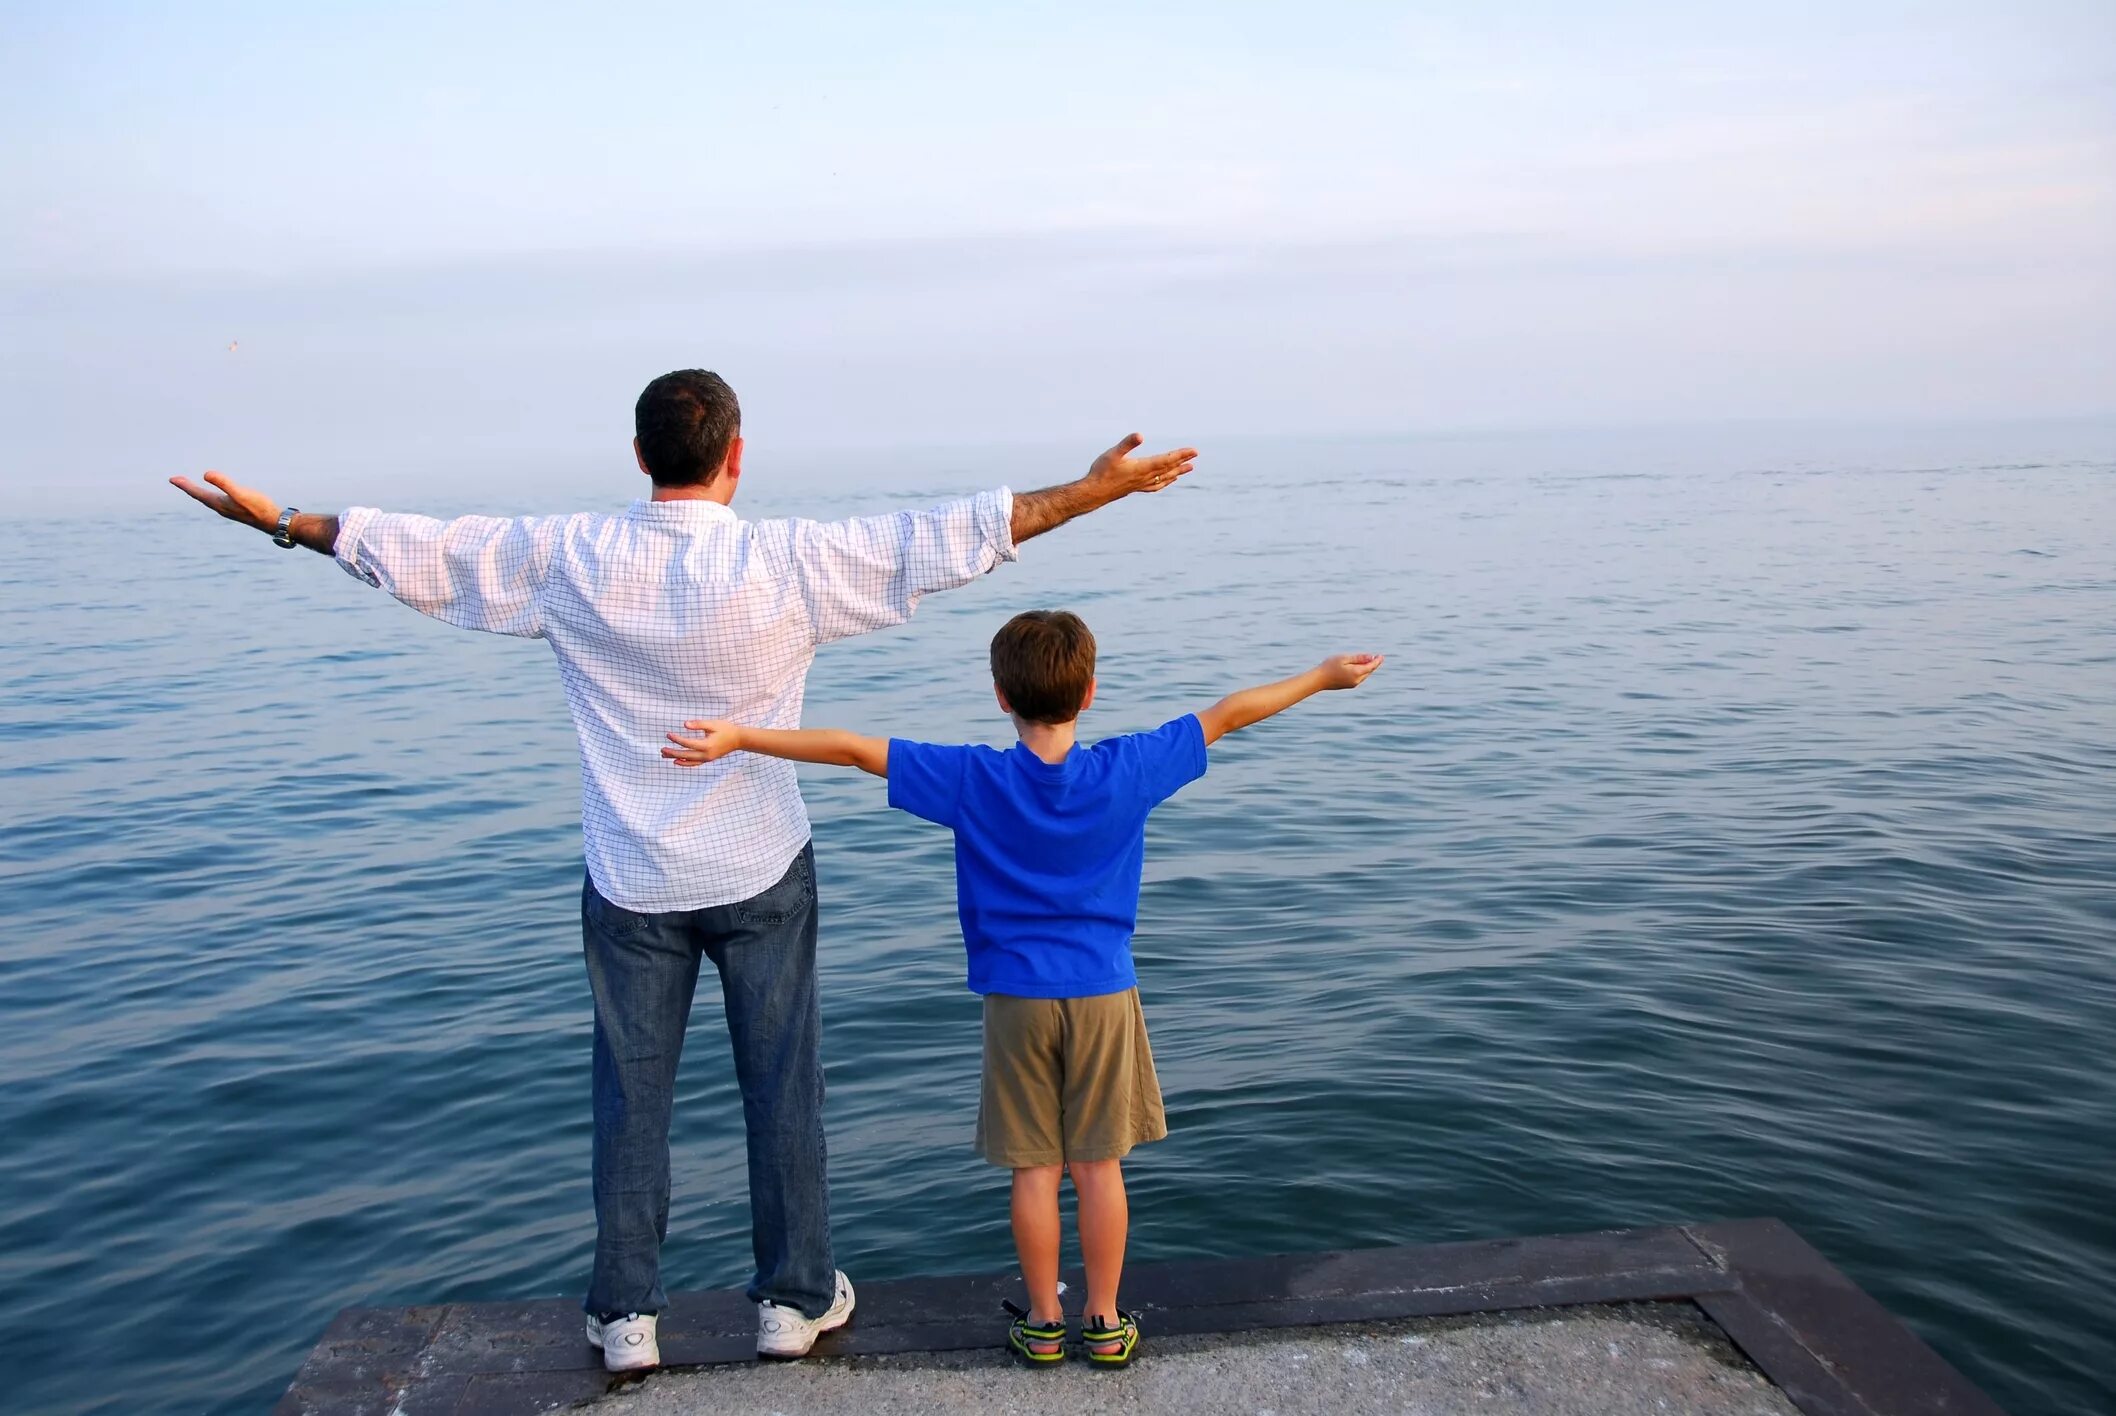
[720,490]
[1049,741]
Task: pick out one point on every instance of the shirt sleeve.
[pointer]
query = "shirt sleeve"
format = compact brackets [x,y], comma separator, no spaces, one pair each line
[926,779]
[476,572]
[869,573]
[1168,759]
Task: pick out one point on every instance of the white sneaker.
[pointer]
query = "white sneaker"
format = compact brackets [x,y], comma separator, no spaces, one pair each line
[787,1332]
[629,1343]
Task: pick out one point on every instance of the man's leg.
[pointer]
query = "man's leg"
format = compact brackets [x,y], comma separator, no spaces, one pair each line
[1105,1216]
[642,970]
[1036,1233]
[765,948]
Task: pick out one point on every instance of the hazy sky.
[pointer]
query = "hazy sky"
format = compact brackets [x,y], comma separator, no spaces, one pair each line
[477,233]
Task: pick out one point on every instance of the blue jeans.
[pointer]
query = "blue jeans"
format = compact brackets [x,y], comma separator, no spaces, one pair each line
[643,969]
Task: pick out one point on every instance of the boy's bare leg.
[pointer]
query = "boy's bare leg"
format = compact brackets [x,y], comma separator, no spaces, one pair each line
[1036,1230]
[1105,1216]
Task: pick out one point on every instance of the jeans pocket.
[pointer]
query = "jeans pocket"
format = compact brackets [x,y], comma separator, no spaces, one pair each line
[614,921]
[795,892]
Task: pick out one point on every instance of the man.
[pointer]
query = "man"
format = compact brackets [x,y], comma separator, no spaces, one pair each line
[677,609]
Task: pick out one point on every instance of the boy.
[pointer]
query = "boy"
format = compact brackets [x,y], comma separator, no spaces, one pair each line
[1050,838]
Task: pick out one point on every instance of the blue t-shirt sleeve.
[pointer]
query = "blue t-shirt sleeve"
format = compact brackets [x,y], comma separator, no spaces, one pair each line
[1168,759]
[925,779]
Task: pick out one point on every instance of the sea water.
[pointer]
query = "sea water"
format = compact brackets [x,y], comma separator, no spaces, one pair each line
[1730,833]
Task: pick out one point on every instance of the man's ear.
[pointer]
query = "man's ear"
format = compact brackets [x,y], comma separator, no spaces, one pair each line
[639,457]
[1089,701]
[1004,706]
[732,468]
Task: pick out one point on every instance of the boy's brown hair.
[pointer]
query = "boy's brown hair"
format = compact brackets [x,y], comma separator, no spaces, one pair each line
[1043,661]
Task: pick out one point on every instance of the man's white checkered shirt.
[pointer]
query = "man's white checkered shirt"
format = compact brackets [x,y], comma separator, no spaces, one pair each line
[677,610]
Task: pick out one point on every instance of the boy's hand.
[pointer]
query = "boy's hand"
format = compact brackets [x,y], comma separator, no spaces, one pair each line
[712,741]
[1252,705]
[1348,670]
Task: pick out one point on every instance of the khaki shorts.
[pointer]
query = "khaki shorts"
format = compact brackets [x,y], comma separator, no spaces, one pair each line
[1066,1079]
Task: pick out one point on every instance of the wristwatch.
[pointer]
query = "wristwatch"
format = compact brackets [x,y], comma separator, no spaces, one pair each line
[284,536]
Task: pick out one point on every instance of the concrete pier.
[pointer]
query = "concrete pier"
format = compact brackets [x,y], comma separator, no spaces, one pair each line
[1635,1360]
[1747,1318]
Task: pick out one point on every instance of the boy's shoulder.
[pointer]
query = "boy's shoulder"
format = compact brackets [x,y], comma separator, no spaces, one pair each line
[1156,763]
[1176,734]
[955,763]
[959,750]
[932,779]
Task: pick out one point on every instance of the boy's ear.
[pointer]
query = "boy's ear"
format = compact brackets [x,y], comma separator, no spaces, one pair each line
[1089,701]
[1004,706]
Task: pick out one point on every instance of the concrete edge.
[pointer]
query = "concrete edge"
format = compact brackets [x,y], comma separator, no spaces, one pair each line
[1829,1346]
[1825,1341]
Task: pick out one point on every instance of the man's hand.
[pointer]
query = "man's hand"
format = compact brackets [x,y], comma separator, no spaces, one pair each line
[237,503]
[713,740]
[254,509]
[1117,473]
[1113,475]
[1347,670]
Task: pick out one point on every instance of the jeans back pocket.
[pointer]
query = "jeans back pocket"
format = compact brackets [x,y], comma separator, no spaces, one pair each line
[611,921]
[795,892]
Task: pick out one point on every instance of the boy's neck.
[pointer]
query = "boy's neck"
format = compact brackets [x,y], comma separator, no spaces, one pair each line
[1049,741]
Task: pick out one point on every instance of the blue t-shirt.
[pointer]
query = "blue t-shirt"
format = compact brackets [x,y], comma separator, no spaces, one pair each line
[1048,855]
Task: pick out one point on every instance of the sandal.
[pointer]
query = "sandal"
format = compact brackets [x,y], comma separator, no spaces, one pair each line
[1100,1332]
[1023,1335]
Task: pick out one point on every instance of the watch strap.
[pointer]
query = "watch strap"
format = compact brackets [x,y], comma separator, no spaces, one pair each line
[284,535]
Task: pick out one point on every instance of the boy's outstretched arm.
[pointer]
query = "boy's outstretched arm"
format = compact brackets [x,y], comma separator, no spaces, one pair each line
[711,741]
[1253,705]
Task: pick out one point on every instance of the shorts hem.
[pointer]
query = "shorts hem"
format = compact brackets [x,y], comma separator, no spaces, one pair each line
[1014,1160]
[1020,1160]
[1106,1152]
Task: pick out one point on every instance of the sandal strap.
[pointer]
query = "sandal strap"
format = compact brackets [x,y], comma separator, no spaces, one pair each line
[1031,1329]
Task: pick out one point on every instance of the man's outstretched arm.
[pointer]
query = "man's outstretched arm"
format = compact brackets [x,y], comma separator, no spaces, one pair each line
[254,509]
[475,572]
[870,572]
[833,747]
[1114,475]
[1252,705]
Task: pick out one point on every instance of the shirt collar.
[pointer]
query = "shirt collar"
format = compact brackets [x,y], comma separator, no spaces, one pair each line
[690,511]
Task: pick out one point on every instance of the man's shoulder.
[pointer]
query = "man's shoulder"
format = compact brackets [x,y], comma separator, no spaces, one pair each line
[559,526]
[870,520]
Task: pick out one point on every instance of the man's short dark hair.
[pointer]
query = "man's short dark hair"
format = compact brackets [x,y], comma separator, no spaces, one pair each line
[1044,662]
[686,422]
